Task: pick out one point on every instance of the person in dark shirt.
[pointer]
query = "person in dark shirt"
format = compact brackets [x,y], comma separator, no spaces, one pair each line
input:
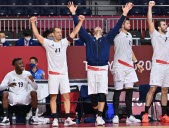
[97,56]
[3,41]
[27,40]
[48,34]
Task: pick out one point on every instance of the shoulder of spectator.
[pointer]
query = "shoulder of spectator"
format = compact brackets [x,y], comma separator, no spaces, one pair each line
[20,40]
[6,43]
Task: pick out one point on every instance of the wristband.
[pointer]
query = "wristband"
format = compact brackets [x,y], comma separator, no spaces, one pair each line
[136,62]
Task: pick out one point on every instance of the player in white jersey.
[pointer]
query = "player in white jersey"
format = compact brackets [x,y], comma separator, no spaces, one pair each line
[18,82]
[57,66]
[159,75]
[123,71]
[97,56]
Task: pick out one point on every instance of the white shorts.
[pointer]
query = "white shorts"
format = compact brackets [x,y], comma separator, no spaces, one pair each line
[97,82]
[24,98]
[119,85]
[159,75]
[124,77]
[58,83]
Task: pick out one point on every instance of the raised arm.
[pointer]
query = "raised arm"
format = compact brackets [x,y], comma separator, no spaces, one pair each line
[82,33]
[35,30]
[114,31]
[149,16]
[77,28]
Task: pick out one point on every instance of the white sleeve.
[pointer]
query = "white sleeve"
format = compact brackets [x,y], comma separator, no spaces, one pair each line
[65,42]
[33,84]
[5,83]
[46,43]
[155,33]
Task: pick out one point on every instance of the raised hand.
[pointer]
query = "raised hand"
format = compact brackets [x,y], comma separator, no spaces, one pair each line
[72,7]
[127,8]
[151,4]
[81,17]
[33,19]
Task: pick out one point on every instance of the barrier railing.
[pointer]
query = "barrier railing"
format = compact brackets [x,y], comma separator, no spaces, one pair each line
[16,25]
[66,24]
[136,40]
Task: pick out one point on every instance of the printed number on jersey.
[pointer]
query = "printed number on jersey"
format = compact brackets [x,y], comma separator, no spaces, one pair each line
[20,84]
[57,50]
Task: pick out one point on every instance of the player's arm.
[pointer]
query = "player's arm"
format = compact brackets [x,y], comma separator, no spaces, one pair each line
[136,62]
[35,30]
[149,17]
[32,82]
[77,28]
[114,31]
[5,83]
[82,33]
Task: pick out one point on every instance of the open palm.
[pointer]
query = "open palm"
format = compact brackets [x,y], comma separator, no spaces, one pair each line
[71,7]
[127,7]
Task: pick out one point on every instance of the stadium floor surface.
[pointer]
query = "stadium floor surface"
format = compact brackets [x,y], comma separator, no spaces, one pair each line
[92,125]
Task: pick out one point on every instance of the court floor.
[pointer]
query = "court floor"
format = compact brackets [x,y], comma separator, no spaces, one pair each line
[92,125]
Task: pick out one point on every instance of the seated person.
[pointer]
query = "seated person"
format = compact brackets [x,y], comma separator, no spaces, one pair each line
[18,82]
[27,40]
[3,41]
[34,70]
[48,34]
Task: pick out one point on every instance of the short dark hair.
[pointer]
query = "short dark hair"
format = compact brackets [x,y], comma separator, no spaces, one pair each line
[126,19]
[158,23]
[53,29]
[34,58]
[15,60]
[47,32]
[27,32]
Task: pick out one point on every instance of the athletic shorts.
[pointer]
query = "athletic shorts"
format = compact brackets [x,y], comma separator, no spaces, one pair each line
[159,75]
[124,77]
[23,99]
[58,83]
[97,81]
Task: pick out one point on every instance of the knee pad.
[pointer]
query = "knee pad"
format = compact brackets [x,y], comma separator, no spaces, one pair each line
[94,99]
[101,97]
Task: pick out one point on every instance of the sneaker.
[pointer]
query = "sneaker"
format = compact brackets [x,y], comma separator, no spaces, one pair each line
[5,121]
[132,119]
[55,123]
[164,119]
[38,120]
[99,121]
[68,122]
[33,120]
[145,118]
[115,120]
[103,122]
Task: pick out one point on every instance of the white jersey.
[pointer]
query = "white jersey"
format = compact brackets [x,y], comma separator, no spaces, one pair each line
[22,82]
[160,45]
[56,55]
[123,49]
